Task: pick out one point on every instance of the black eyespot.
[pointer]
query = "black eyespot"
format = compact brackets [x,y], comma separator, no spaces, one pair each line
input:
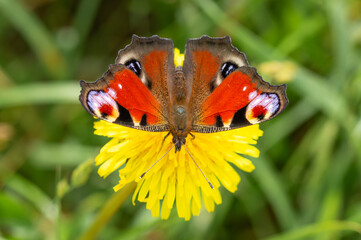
[134,65]
[260,117]
[228,68]
[104,115]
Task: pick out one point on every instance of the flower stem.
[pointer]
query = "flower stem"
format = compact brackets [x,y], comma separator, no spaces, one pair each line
[108,211]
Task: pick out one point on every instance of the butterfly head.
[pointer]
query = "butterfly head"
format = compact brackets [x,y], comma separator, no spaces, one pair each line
[178,141]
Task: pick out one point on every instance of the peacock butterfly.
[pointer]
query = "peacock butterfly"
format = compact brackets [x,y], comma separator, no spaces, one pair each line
[215,89]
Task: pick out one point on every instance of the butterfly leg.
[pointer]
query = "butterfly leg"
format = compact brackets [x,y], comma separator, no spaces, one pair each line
[165,137]
[192,135]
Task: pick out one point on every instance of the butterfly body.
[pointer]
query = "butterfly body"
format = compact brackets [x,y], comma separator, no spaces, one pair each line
[215,89]
[180,117]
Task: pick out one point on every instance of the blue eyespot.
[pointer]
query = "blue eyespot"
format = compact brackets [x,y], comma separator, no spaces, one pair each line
[228,68]
[134,66]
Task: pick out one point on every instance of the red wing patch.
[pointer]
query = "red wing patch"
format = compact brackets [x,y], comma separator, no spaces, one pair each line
[120,97]
[234,93]
[239,101]
[130,93]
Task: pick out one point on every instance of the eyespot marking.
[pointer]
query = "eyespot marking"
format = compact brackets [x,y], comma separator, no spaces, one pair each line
[102,105]
[134,66]
[227,68]
[262,107]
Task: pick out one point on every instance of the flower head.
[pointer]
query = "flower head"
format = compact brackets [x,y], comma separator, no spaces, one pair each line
[176,180]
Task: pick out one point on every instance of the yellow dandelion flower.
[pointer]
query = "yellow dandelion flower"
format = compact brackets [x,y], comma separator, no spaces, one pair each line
[178,57]
[176,180]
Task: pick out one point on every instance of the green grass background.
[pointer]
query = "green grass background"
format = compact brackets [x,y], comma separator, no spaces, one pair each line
[307,181]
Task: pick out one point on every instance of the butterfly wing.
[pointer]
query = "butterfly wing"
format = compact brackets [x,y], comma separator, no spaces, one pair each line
[226,92]
[133,92]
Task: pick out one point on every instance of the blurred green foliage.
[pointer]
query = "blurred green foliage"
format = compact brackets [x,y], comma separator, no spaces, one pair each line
[307,180]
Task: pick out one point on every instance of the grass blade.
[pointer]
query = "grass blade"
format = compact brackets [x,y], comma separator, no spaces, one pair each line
[59,93]
[36,35]
[314,229]
[274,189]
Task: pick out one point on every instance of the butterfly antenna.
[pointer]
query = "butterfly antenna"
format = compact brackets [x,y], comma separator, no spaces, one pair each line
[210,184]
[157,161]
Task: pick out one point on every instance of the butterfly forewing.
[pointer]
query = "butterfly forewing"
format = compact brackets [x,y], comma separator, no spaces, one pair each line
[204,63]
[152,59]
